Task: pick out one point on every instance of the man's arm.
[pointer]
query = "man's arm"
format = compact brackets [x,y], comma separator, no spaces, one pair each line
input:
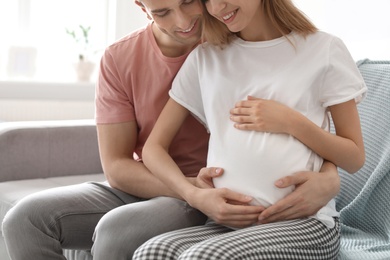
[313,191]
[116,146]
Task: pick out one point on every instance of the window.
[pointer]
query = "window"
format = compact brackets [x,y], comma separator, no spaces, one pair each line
[37,80]
[34,33]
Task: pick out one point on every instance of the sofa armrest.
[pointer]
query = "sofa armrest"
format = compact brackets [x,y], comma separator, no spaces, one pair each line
[42,149]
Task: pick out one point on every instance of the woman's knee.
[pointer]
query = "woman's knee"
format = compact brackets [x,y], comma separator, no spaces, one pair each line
[160,247]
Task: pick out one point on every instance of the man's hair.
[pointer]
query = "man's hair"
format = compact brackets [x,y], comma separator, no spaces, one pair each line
[283,14]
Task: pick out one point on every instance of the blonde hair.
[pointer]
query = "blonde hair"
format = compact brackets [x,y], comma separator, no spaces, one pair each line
[283,14]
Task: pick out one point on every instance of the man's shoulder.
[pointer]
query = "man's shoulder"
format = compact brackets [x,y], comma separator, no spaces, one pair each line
[133,39]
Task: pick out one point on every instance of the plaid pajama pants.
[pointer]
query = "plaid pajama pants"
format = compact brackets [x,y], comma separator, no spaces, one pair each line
[296,239]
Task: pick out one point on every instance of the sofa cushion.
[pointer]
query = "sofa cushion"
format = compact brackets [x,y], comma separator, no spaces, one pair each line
[363,201]
[13,191]
[43,149]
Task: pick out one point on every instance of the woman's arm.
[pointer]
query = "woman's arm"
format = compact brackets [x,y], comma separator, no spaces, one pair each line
[213,202]
[345,149]
[155,151]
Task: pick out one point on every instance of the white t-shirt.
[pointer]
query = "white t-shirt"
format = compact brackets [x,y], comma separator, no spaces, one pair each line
[308,76]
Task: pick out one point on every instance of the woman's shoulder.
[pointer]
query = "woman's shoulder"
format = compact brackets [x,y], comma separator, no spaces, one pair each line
[322,36]
[206,50]
[209,47]
[318,39]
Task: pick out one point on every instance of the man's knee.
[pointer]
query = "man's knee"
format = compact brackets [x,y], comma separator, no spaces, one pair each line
[30,212]
[114,237]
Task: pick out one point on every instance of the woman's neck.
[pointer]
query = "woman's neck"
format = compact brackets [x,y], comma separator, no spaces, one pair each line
[260,29]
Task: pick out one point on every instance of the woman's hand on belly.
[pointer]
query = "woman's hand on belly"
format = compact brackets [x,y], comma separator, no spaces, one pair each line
[226,207]
[261,115]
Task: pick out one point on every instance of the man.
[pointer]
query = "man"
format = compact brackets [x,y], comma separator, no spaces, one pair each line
[114,218]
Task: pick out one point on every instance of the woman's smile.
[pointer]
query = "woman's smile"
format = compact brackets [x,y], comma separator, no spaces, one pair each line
[227,18]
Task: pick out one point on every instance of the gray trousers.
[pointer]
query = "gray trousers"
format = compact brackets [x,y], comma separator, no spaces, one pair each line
[90,216]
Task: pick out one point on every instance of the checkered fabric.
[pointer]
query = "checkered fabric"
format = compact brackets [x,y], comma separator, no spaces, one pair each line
[296,239]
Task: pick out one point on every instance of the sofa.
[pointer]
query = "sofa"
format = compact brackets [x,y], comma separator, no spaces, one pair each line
[41,155]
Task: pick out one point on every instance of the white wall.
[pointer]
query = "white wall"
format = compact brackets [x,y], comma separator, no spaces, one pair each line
[363,25]
[129,17]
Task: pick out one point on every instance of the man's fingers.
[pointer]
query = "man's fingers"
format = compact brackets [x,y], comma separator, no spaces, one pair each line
[295,179]
[281,206]
[293,212]
[212,172]
[285,215]
[206,175]
[273,210]
[216,172]
[253,98]
[288,208]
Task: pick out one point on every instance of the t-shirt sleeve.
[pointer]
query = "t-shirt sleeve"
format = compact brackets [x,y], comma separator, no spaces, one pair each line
[343,80]
[112,103]
[186,88]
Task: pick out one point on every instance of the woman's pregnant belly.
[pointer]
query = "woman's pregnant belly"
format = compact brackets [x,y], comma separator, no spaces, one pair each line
[253,161]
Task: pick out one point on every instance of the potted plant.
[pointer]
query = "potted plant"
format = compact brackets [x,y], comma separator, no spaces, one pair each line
[84,66]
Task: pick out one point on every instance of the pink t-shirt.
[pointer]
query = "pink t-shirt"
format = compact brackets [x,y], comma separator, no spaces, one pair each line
[134,80]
